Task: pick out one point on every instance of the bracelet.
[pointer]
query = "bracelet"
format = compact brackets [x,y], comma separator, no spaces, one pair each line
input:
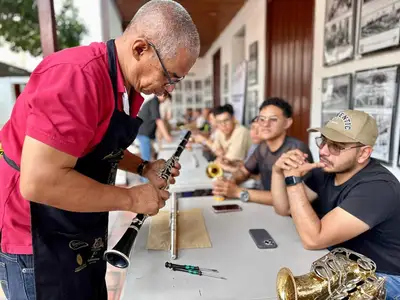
[141,167]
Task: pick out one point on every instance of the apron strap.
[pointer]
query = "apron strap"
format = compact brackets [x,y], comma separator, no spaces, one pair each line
[112,68]
[10,162]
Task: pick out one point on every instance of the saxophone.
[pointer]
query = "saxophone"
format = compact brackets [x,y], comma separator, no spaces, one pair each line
[341,274]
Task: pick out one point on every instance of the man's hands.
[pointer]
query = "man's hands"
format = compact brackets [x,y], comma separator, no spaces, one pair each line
[149,198]
[294,163]
[225,187]
[152,170]
[168,139]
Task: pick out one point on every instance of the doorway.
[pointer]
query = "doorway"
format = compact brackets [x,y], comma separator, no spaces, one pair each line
[217,78]
[290,26]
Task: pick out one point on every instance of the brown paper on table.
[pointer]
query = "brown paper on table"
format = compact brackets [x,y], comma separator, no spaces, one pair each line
[192,232]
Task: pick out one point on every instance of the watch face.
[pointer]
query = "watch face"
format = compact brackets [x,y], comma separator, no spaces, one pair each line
[244,196]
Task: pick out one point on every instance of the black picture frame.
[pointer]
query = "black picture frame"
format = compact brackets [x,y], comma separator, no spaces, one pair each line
[226,78]
[252,65]
[398,156]
[376,92]
[336,95]
[378,27]
[339,32]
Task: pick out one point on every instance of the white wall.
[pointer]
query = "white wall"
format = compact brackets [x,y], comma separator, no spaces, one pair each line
[386,58]
[252,16]
[115,20]
[7,98]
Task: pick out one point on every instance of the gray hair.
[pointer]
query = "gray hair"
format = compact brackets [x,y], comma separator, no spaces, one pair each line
[168,26]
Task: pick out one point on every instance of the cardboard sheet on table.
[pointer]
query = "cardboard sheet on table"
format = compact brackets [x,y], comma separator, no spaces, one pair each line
[192,232]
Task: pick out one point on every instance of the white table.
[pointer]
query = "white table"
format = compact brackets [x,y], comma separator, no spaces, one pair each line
[251,272]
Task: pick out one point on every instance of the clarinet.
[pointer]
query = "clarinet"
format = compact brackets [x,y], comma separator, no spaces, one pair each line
[119,255]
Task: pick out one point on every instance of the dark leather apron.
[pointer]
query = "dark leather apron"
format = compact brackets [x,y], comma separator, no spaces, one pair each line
[68,247]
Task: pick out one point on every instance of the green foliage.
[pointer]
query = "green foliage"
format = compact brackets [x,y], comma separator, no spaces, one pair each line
[19,26]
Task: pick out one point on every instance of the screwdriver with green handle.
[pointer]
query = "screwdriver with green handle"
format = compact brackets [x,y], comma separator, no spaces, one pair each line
[189,267]
[197,272]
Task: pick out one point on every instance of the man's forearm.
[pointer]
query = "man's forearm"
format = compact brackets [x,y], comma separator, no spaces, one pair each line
[162,128]
[72,191]
[130,162]
[240,176]
[261,197]
[279,195]
[307,222]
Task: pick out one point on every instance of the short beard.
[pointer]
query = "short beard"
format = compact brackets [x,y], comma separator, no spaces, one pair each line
[346,168]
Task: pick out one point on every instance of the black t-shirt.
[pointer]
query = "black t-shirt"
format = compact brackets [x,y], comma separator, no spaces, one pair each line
[262,159]
[149,113]
[373,196]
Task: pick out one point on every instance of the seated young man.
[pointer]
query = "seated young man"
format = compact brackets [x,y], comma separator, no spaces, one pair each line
[274,120]
[356,201]
[232,166]
[231,140]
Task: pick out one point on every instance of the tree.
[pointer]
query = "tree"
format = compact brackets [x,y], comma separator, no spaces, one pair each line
[19,26]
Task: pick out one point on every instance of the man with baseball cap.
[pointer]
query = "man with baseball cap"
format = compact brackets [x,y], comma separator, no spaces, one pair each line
[349,200]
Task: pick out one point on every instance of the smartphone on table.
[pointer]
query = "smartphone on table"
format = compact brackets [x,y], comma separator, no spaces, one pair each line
[224,208]
[262,238]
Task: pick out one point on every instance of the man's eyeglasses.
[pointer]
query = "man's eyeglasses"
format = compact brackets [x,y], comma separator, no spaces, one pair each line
[334,148]
[166,73]
[223,122]
[264,120]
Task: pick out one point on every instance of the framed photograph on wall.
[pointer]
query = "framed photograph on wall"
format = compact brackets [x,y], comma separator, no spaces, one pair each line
[339,31]
[253,64]
[226,78]
[379,25]
[336,96]
[207,87]
[188,86]
[376,92]
[251,108]
[398,157]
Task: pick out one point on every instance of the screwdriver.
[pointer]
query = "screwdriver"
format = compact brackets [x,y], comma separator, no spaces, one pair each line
[189,267]
[198,273]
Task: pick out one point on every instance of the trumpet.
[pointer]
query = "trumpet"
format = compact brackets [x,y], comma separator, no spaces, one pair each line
[119,255]
[215,171]
[342,274]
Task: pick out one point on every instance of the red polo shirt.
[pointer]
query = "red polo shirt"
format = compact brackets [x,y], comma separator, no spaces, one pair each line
[67,104]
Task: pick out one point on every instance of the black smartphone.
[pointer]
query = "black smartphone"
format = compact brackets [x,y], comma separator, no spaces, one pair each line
[262,239]
[226,208]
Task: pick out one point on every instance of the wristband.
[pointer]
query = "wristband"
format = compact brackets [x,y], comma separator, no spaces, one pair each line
[141,166]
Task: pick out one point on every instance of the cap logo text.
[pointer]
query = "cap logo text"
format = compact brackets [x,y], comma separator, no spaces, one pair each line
[346,120]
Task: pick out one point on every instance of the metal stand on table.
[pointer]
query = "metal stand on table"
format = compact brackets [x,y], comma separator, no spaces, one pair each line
[174,225]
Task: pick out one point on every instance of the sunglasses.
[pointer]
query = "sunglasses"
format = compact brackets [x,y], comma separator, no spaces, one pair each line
[171,81]
[334,148]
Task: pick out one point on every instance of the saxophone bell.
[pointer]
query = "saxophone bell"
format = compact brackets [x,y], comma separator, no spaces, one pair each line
[341,274]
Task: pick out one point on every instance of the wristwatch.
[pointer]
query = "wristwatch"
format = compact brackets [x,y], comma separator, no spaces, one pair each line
[141,166]
[244,196]
[293,180]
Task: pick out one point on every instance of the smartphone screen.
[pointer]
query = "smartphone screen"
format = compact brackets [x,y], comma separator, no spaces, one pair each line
[226,208]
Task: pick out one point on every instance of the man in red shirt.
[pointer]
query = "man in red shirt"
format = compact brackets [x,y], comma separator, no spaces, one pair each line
[67,135]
